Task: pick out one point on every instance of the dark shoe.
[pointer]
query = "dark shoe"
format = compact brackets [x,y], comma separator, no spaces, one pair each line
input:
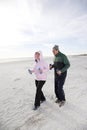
[57,101]
[43,101]
[62,103]
[36,107]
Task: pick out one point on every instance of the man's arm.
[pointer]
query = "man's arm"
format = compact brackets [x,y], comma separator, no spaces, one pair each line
[51,66]
[67,64]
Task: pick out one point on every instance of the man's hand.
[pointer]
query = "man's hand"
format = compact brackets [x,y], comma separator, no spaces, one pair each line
[59,72]
[50,66]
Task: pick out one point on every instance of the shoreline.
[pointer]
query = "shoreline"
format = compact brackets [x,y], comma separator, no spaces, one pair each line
[26,59]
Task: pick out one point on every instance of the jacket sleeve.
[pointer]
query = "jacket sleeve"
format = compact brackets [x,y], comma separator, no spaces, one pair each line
[66,63]
[45,68]
[34,69]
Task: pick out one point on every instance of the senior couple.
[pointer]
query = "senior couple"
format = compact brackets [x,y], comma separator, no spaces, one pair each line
[60,66]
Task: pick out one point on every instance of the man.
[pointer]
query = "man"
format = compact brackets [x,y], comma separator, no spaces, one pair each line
[61,64]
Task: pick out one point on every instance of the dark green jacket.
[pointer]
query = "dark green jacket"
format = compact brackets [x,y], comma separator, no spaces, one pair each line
[61,62]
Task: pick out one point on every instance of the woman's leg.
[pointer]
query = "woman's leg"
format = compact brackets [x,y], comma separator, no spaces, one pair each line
[42,97]
[36,83]
[38,93]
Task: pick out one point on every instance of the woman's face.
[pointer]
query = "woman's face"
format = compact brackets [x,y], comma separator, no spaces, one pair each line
[37,56]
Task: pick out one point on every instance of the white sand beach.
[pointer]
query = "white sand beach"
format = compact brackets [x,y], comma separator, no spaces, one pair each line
[17,93]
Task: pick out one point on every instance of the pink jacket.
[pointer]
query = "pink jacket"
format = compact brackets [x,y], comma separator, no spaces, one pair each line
[41,68]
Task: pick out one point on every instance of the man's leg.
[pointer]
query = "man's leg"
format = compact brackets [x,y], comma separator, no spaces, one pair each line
[56,88]
[60,87]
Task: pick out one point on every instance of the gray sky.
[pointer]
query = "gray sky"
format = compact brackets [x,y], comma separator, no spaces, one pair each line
[29,25]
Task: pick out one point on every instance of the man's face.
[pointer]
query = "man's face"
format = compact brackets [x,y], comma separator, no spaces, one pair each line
[55,51]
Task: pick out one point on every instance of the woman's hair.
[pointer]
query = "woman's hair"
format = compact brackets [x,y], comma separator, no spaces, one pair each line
[37,53]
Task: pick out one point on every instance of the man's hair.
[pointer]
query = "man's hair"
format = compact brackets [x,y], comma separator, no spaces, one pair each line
[56,47]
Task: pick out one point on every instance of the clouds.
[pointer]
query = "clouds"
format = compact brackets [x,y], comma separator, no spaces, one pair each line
[60,21]
[7,24]
[65,6]
[27,23]
[8,28]
[56,19]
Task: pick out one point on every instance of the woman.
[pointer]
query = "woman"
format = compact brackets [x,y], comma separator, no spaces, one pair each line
[40,71]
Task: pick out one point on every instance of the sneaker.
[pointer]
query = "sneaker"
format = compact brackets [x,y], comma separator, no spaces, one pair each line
[61,103]
[57,101]
[36,107]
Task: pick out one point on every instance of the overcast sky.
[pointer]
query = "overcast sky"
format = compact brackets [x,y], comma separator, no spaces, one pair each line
[30,25]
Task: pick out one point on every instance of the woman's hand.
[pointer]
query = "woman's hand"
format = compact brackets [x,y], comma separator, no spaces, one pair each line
[50,66]
[30,71]
[40,71]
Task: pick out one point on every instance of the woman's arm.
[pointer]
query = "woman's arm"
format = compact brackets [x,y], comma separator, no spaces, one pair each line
[45,68]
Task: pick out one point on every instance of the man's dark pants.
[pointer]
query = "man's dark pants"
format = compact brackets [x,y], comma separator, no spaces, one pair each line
[59,82]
